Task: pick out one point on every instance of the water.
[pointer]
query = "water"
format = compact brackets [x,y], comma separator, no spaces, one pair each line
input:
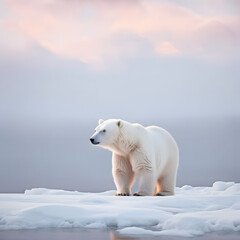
[61,155]
[78,234]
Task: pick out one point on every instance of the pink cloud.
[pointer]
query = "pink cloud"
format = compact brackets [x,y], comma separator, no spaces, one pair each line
[166,48]
[89,30]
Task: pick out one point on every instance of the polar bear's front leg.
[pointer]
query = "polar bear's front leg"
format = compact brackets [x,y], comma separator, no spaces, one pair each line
[122,174]
[142,167]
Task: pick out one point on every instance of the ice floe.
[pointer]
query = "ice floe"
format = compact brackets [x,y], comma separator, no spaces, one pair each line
[193,211]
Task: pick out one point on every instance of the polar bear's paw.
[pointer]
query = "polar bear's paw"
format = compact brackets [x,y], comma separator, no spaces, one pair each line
[164,194]
[139,194]
[122,194]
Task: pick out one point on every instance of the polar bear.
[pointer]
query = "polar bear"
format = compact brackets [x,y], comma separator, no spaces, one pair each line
[149,153]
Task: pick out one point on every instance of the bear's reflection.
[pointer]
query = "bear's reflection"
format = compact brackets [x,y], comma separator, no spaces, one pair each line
[115,236]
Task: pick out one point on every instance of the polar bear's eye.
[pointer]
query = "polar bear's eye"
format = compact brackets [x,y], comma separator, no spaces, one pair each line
[104,130]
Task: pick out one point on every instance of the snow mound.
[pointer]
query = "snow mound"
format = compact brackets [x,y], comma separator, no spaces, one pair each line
[193,211]
[46,191]
[222,186]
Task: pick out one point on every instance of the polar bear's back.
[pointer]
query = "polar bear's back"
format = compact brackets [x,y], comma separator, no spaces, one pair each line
[162,141]
[158,132]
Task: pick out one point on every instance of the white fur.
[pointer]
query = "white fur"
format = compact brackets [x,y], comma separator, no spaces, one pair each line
[150,153]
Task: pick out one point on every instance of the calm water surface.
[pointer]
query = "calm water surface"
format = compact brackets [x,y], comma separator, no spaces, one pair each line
[77,234]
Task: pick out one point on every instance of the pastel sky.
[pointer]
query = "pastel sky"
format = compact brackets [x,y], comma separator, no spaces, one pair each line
[98,32]
[181,55]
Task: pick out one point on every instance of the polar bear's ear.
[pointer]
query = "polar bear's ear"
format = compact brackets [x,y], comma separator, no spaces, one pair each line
[100,121]
[119,123]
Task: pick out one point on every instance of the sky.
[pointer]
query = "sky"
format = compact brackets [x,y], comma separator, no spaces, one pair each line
[69,63]
[80,59]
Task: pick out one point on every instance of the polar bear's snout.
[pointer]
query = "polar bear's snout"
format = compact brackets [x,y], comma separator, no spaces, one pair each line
[93,141]
[95,138]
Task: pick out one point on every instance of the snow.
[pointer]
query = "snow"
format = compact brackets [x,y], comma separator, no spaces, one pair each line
[193,211]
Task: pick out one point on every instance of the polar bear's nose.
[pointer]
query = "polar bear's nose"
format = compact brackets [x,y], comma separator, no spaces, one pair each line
[92,140]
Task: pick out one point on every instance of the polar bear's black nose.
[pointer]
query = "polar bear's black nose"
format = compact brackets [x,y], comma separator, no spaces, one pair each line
[92,140]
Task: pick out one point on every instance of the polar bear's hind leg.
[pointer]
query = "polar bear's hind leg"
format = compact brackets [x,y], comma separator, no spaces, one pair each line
[165,185]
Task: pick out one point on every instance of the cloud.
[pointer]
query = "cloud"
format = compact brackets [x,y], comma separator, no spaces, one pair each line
[97,32]
[166,48]
[216,37]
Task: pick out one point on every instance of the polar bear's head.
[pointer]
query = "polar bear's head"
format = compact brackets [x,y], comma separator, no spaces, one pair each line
[106,132]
